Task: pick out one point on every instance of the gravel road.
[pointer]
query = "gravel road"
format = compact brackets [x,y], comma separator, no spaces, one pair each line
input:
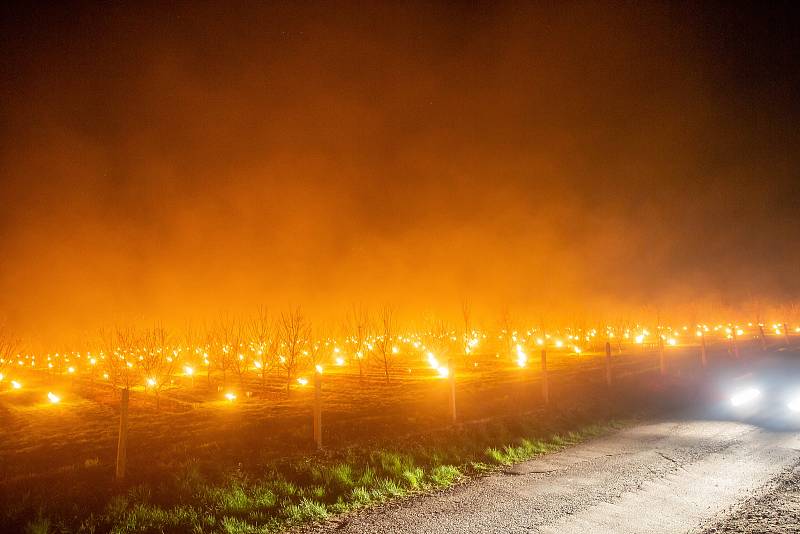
[776,510]
[671,476]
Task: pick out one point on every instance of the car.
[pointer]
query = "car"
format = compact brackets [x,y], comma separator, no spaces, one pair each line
[764,389]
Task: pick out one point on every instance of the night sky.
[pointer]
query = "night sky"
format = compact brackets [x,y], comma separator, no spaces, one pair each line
[561,158]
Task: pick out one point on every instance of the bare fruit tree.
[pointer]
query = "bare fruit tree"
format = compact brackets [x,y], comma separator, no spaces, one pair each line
[209,345]
[8,348]
[122,347]
[438,340]
[195,352]
[384,340]
[508,333]
[264,343]
[294,334]
[157,360]
[317,348]
[226,347]
[358,329]
[240,356]
[466,314]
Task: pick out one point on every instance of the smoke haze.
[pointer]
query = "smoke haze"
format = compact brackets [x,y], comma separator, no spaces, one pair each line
[174,162]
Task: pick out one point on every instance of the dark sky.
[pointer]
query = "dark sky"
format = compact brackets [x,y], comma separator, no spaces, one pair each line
[176,161]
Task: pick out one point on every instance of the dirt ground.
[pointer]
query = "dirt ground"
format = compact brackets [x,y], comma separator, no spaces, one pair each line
[776,511]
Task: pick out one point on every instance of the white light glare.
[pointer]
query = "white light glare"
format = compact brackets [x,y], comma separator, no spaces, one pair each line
[745,397]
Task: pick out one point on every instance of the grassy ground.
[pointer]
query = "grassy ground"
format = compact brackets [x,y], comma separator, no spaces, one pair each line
[316,487]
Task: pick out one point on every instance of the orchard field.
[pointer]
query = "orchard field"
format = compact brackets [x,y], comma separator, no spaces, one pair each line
[210,449]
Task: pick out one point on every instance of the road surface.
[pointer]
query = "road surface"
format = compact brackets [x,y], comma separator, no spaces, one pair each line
[670,476]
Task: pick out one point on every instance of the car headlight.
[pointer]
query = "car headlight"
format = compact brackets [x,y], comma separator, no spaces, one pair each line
[746,396]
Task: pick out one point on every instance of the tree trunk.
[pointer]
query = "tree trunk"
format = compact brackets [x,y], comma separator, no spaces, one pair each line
[452,380]
[545,379]
[318,410]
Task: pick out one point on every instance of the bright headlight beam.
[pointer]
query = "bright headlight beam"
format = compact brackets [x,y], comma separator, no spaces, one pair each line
[745,396]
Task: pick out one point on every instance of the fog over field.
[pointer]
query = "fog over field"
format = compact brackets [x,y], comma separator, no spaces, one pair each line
[173,163]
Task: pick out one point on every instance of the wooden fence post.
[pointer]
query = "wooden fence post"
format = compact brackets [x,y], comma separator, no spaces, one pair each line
[451,376]
[608,363]
[318,409]
[122,443]
[762,337]
[703,353]
[545,379]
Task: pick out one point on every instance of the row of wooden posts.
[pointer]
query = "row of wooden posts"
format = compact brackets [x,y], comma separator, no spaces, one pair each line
[545,381]
[662,365]
[317,406]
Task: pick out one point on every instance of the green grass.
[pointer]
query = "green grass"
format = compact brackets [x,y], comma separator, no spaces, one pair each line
[317,487]
[445,475]
[40,525]
[305,510]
